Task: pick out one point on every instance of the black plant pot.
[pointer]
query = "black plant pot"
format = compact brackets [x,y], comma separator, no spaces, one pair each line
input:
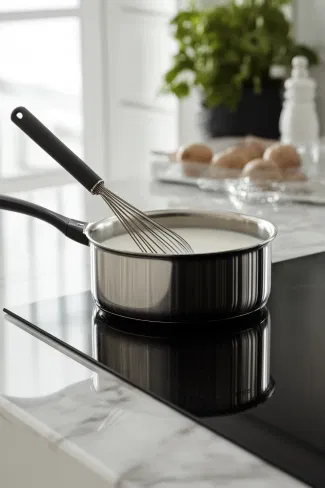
[256,115]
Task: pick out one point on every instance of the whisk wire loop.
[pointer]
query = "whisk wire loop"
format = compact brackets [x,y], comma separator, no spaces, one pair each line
[148,235]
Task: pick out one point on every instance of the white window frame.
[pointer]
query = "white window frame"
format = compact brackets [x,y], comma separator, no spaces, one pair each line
[95,83]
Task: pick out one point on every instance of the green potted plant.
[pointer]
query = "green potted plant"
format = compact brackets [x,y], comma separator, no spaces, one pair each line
[227,53]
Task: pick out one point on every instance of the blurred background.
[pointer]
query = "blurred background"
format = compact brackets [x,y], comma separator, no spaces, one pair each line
[92,70]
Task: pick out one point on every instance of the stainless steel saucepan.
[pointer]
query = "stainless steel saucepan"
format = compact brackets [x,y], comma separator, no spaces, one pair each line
[171,287]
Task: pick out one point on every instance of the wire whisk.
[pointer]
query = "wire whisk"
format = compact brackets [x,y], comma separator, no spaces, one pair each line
[148,235]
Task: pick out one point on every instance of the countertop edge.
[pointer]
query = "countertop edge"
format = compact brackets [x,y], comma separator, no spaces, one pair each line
[15,415]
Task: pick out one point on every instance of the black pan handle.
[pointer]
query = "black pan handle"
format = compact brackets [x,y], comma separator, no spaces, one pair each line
[40,134]
[74,229]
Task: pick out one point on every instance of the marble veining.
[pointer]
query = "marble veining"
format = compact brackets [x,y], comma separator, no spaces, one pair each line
[135,441]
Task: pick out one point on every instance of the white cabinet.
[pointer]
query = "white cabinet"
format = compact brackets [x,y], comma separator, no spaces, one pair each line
[144,49]
[309,21]
[140,131]
[138,51]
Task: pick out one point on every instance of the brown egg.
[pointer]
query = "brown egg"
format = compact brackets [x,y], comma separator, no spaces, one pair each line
[260,170]
[253,146]
[172,156]
[259,141]
[283,155]
[294,175]
[251,151]
[231,158]
[196,153]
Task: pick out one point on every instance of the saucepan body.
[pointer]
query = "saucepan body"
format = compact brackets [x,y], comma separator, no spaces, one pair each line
[181,288]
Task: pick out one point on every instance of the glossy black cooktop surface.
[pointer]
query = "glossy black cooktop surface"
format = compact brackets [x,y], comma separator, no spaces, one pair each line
[258,380]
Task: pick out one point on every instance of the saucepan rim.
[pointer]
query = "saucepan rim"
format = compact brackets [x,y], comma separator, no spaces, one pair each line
[270,228]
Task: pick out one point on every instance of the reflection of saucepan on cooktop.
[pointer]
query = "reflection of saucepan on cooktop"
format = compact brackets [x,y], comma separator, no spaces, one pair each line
[203,370]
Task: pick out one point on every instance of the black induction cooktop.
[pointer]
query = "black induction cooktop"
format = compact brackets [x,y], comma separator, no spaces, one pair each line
[258,380]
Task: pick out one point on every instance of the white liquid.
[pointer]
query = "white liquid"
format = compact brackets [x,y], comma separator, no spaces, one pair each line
[202,241]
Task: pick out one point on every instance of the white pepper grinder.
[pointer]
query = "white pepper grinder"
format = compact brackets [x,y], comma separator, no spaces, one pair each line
[299,123]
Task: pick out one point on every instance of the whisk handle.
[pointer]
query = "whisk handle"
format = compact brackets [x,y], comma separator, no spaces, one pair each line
[55,148]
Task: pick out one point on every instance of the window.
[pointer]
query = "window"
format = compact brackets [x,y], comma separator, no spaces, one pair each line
[40,68]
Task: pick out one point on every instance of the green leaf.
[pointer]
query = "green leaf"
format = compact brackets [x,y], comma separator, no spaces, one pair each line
[171,75]
[181,90]
[229,45]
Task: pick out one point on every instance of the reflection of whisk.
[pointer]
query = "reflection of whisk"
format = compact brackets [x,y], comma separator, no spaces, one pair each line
[149,235]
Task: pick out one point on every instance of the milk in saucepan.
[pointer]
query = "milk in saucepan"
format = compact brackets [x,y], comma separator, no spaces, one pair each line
[202,241]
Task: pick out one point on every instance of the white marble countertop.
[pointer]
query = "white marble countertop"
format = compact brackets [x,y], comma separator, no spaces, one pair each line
[121,435]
